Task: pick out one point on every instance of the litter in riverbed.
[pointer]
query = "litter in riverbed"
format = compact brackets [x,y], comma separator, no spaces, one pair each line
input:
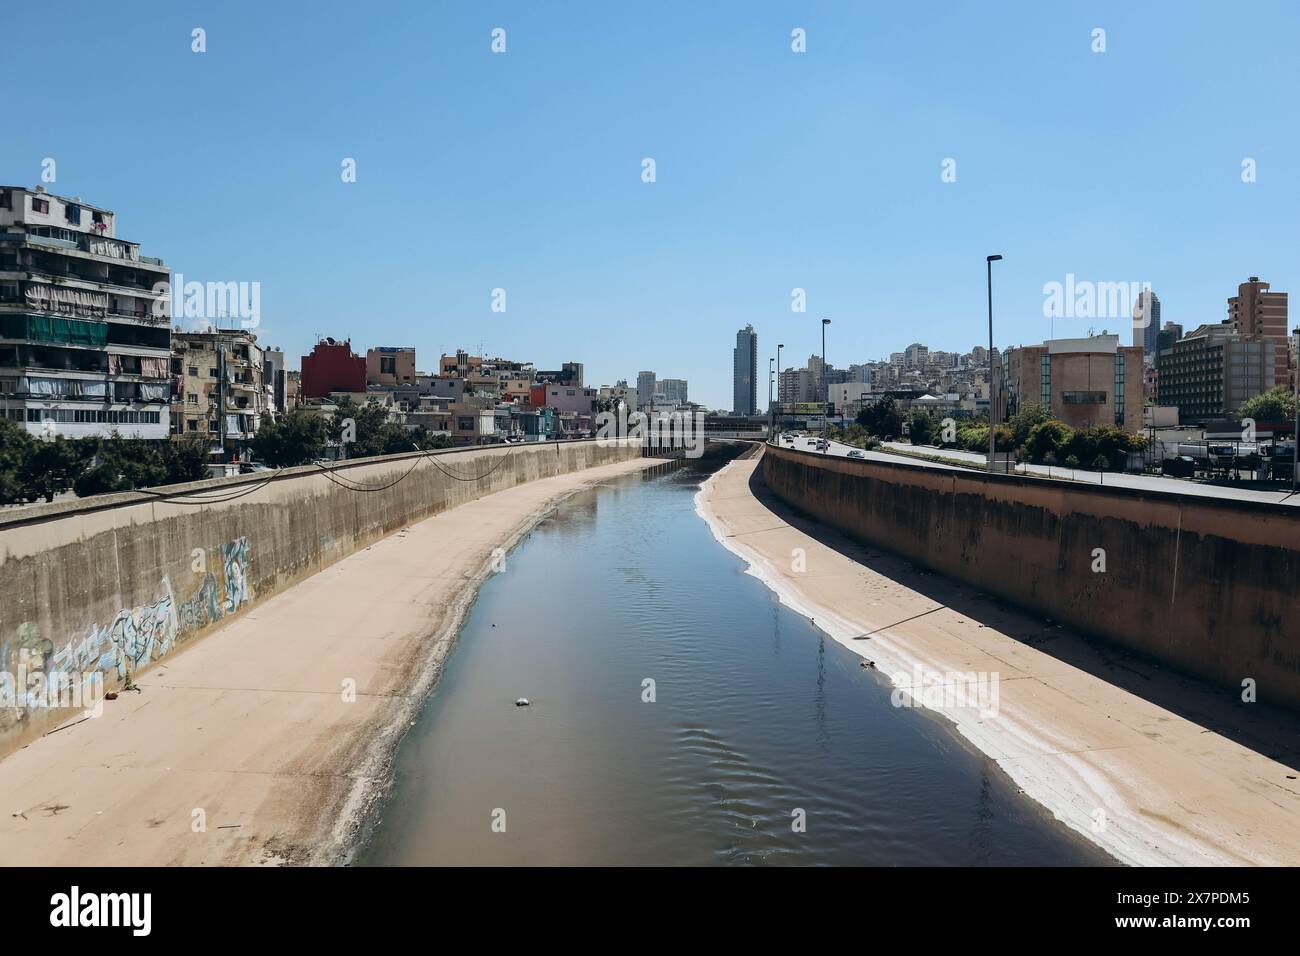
[522,702]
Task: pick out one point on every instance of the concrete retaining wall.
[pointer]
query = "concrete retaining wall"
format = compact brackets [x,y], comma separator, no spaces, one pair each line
[1210,586]
[108,585]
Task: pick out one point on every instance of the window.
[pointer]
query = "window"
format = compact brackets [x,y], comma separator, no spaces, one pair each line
[194,370]
[1083,398]
[40,205]
[191,399]
[97,217]
[5,201]
[212,373]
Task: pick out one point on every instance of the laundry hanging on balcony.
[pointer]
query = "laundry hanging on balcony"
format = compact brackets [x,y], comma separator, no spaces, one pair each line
[50,298]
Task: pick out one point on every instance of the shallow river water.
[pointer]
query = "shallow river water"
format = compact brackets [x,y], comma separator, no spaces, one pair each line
[765,742]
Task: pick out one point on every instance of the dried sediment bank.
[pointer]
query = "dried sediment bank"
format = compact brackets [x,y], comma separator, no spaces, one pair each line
[253,732]
[1146,784]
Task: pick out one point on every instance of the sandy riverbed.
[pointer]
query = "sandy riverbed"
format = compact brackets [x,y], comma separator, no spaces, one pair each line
[247,747]
[1152,784]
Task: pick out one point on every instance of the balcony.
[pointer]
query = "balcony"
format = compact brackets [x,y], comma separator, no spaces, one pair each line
[93,244]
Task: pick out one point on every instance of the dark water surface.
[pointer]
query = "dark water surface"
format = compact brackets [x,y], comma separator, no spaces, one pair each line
[757,715]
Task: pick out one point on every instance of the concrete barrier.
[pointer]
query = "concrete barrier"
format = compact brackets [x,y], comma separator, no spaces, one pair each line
[98,589]
[1207,585]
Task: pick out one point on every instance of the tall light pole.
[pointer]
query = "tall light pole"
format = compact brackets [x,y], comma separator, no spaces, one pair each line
[1295,435]
[825,395]
[779,347]
[770,363]
[988,261]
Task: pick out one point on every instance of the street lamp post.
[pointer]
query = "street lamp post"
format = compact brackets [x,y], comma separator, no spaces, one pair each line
[1295,435]
[770,363]
[779,347]
[825,395]
[988,262]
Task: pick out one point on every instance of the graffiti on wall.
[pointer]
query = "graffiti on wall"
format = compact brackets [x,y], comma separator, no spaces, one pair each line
[133,638]
[234,559]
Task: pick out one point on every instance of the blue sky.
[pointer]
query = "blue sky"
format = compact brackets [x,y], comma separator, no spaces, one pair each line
[775,170]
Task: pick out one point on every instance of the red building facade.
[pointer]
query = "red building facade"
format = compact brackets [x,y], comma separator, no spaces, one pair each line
[331,367]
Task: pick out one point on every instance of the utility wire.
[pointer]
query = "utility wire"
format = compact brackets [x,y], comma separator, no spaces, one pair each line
[220,497]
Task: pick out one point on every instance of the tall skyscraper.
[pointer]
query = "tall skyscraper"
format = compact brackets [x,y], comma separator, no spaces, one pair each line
[1167,336]
[674,390]
[744,372]
[1146,324]
[1254,310]
[645,387]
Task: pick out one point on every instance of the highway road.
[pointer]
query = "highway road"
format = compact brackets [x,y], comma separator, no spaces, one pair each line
[966,459]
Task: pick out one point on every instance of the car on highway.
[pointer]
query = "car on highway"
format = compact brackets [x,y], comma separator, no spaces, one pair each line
[856,453]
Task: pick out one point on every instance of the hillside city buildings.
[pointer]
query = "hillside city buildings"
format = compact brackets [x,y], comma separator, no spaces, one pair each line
[91,345]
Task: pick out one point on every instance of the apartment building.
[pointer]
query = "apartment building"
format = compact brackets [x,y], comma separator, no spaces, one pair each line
[674,390]
[85,321]
[274,379]
[620,392]
[331,367]
[645,386]
[568,374]
[1257,311]
[459,365]
[796,385]
[390,365]
[1209,372]
[849,398]
[219,390]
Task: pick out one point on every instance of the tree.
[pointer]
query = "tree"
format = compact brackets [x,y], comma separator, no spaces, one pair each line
[921,428]
[119,465]
[15,448]
[369,436]
[1275,405]
[186,460]
[1023,421]
[882,418]
[425,439]
[297,438]
[1108,440]
[1047,438]
[51,467]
